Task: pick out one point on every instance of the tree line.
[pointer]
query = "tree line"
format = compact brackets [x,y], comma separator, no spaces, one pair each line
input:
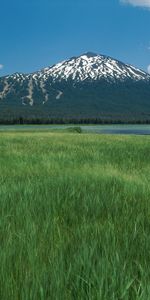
[38,121]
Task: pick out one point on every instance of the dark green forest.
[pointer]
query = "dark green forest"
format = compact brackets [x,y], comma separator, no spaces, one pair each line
[98,103]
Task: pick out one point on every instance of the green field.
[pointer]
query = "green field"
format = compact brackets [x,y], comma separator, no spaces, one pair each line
[74,216]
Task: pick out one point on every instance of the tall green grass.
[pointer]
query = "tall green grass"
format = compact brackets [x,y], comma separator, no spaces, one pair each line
[74,216]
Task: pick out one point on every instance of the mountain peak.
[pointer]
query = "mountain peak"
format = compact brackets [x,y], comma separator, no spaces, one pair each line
[89,54]
[92,66]
[89,66]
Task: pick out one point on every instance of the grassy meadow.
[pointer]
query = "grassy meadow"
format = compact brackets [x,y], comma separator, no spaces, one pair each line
[74,216]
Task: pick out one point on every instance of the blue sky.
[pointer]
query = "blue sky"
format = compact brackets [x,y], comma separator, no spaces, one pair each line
[38,33]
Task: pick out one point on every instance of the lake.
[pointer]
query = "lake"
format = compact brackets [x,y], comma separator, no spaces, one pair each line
[99,129]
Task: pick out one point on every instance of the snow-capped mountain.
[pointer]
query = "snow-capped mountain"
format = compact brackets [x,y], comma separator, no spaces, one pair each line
[81,86]
[94,67]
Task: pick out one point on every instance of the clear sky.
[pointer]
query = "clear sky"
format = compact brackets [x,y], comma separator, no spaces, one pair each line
[38,33]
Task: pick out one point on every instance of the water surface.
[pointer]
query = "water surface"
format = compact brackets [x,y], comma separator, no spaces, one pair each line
[100,129]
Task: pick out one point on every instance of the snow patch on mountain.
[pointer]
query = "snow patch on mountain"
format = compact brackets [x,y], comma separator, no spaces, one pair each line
[92,67]
[60,93]
[5,90]
[30,89]
[88,67]
[42,86]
